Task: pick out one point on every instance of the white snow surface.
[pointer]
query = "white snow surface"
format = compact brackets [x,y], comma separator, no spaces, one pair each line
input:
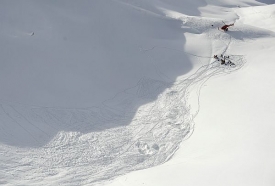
[106,92]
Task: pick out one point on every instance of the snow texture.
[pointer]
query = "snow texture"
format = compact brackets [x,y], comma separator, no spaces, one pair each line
[88,95]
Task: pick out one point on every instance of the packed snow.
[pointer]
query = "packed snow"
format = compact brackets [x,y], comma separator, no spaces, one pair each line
[129,92]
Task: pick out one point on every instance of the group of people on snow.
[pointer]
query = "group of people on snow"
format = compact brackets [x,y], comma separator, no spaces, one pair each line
[224,60]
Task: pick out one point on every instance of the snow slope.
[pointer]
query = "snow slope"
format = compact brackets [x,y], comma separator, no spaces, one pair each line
[92,90]
[79,89]
[76,60]
[233,140]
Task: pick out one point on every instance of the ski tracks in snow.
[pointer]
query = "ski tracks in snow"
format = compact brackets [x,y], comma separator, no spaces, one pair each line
[79,158]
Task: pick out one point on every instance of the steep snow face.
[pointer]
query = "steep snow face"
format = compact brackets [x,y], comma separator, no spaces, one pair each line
[86,89]
[62,61]
[70,54]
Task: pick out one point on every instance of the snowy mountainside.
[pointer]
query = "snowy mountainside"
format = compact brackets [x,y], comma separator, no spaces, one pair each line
[67,106]
[233,140]
[78,59]
[92,54]
[97,89]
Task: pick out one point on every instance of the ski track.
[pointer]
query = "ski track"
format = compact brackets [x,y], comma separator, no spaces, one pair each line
[79,158]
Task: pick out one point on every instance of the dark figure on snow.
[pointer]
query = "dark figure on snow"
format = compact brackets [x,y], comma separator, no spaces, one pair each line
[225,27]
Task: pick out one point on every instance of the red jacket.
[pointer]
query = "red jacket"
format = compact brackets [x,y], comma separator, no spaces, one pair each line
[226,26]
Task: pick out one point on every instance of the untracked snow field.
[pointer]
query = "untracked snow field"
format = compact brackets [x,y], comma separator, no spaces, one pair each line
[127,92]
